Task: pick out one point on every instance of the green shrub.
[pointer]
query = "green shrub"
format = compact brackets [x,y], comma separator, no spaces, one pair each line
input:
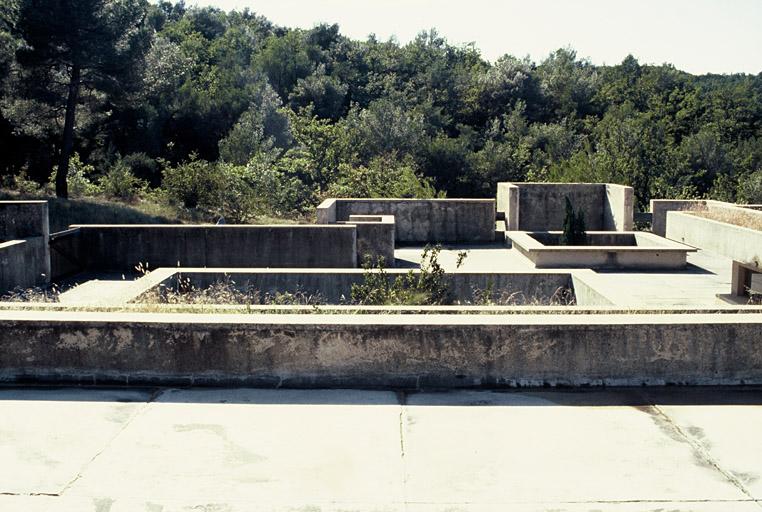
[144,167]
[750,188]
[384,176]
[78,178]
[194,183]
[429,286]
[120,183]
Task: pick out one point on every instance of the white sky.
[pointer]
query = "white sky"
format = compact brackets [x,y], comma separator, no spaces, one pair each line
[698,36]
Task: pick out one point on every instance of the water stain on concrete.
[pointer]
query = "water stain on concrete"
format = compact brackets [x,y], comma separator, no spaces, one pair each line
[235,453]
[103,504]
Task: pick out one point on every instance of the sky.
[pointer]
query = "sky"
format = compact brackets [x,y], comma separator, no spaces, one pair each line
[698,36]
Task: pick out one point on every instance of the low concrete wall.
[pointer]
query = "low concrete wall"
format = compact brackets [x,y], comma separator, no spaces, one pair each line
[23,219]
[24,251]
[660,207]
[422,220]
[375,237]
[640,251]
[122,247]
[735,242]
[541,206]
[23,263]
[411,351]
[335,286]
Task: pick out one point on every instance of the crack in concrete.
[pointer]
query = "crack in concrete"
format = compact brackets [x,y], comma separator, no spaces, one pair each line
[402,400]
[27,494]
[704,454]
[154,395]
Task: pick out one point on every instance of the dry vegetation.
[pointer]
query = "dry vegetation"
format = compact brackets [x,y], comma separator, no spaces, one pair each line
[737,216]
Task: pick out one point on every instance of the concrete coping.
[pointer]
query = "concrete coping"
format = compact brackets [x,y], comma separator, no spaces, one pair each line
[30,201]
[409,320]
[208,226]
[10,243]
[329,201]
[719,223]
[526,241]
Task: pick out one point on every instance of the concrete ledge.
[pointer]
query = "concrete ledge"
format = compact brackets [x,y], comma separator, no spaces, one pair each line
[381,350]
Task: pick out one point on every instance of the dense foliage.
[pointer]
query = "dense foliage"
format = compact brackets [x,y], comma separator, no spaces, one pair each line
[232,115]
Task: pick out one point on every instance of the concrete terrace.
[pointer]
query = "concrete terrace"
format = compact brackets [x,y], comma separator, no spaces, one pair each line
[706,276]
[621,450]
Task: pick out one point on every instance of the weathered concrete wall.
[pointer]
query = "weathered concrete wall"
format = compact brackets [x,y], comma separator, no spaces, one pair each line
[24,251]
[423,220]
[333,285]
[23,263]
[660,207]
[23,219]
[541,206]
[381,350]
[375,237]
[122,247]
[735,242]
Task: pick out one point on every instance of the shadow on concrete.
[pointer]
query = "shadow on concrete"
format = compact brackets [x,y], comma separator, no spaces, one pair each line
[690,269]
[581,397]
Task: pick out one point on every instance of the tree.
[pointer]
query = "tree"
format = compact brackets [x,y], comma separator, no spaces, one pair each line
[263,128]
[284,60]
[75,48]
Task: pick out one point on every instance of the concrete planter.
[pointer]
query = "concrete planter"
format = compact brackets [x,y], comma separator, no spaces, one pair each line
[620,250]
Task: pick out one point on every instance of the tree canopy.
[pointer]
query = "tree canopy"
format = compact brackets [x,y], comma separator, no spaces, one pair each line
[162,87]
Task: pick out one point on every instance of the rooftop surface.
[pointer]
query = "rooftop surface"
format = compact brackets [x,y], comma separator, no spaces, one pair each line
[706,276]
[627,449]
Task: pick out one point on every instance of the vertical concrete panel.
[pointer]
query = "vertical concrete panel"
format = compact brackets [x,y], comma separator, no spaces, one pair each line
[619,208]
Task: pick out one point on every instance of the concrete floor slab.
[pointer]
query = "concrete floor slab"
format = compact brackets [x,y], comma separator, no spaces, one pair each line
[307,448]
[728,435]
[48,436]
[620,450]
[515,453]
[698,285]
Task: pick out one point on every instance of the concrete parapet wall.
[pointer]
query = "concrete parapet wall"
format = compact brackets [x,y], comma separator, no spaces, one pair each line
[24,251]
[541,206]
[381,350]
[660,207]
[422,220]
[23,263]
[122,247]
[735,242]
[23,219]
